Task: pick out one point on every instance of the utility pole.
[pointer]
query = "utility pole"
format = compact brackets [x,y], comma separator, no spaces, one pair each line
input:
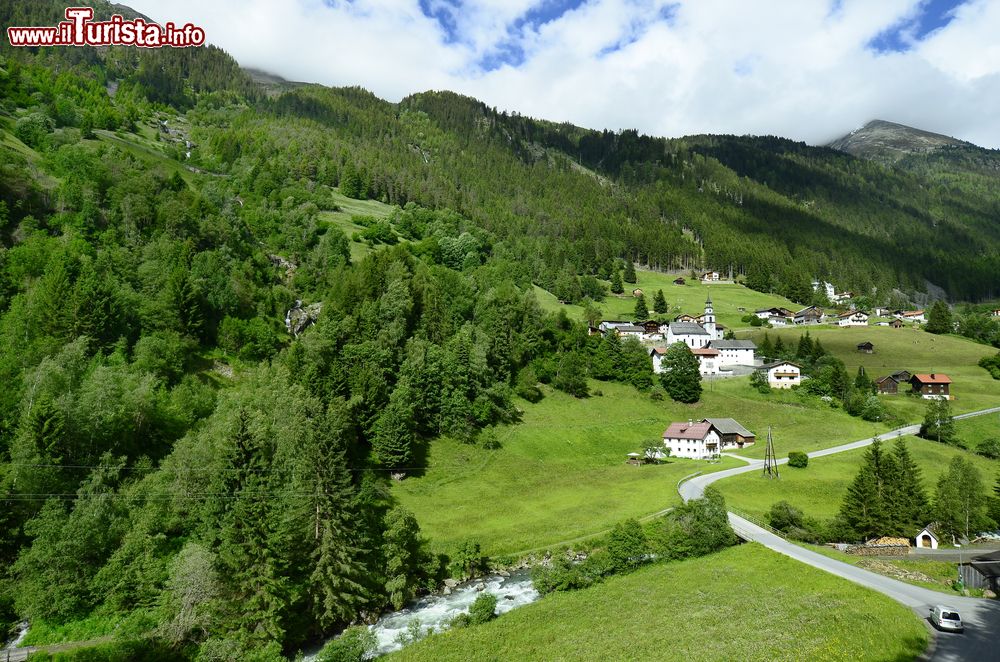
[770,462]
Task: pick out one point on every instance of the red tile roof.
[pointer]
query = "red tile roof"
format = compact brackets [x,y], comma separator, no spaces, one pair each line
[933,378]
[687,431]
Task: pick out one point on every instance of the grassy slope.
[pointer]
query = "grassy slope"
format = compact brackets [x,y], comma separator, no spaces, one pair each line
[938,574]
[971,431]
[913,350]
[342,219]
[819,488]
[689,298]
[561,471]
[745,603]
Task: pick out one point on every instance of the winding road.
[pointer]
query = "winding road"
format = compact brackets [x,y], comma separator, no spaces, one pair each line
[981,639]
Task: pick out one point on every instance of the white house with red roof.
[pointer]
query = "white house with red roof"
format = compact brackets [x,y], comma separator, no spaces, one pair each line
[692,440]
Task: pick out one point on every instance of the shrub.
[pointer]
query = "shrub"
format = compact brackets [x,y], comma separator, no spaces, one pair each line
[483,609]
[354,645]
[783,516]
[469,560]
[992,365]
[989,448]
[798,459]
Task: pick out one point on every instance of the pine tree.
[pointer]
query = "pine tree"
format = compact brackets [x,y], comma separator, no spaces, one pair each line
[912,508]
[862,382]
[660,302]
[616,283]
[805,348]
[641,313]
[392,443]
[779,348]
[681,377]
[250,549]
[939,318]
[629,275]
[606,361]
[766,348]
[336,584]
[873,496]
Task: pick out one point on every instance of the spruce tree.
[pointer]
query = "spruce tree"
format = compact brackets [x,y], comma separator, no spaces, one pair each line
[873,495]
[805,348]
[862,382]
[779,348]
[680,377]
[660,302]
[912,508]
[629,276]
[606,362]
[766,348]
[641,312]
[616,283]
[939,318]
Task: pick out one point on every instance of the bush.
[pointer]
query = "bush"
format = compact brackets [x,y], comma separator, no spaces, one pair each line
[469,560]
[992,365]
[989,448]
[483,609]
[783,516]
[354,645]
[798,459]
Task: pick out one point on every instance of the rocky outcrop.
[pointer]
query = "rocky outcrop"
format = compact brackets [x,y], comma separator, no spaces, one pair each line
[299,318]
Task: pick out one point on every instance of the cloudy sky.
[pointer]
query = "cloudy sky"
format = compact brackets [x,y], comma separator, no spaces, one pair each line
[807,69]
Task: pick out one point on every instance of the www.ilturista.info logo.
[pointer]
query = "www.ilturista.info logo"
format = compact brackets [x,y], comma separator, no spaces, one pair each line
[79,30]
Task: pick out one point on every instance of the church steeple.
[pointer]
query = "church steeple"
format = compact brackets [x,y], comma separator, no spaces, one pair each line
[708,322]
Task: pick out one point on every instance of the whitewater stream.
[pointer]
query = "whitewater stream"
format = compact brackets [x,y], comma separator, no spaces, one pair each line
[435,611]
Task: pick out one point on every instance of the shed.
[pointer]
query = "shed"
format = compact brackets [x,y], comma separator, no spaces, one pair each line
[678,281]
[896,324]
[866,347]
[634,458]
[927,538]
[982,571]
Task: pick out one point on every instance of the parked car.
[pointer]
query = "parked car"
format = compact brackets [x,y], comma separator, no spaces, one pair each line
[946,618]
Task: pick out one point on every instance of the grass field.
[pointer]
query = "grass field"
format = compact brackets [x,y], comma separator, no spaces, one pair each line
[342,219]
[819,488]
[971,431]
[561,474]
[726,606]
[690,298]
[909,349]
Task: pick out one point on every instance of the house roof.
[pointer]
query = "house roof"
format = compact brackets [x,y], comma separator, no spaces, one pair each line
[899,374]
[687,430]
[913,313]
[733,344]
[988,565]
[687,329]
[852,313]
[775,364]
[931,529]
[729,426]
[933,378]
[866,343]
[810,310]
[705,351]
[629,328]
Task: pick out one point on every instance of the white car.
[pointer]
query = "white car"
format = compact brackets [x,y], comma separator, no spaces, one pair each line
[946,618]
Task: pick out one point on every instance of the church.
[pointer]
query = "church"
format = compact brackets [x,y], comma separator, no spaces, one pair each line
[693,334]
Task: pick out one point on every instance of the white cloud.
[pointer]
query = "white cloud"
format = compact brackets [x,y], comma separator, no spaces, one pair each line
[796,68]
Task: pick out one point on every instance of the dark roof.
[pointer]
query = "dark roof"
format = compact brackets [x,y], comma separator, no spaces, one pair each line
[729,426]
[733,344]
[988,565]
[865,344]
[687,329]
[773,364]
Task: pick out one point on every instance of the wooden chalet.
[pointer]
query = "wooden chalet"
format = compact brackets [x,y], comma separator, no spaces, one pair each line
[685,318]
[896,323]
[866,347]
[650,326]
[933,385]
[889,385]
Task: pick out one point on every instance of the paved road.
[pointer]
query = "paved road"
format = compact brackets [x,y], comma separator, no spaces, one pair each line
[981,640]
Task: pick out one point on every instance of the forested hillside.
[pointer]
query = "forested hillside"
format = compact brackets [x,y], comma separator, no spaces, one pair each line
[175,462]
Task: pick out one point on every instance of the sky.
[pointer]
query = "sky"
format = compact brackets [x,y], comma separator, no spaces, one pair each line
[810,70]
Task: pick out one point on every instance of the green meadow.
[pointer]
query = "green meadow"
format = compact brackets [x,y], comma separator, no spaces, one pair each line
[561,473]
[744,603]
[819,488]
[727,299]
[349,208]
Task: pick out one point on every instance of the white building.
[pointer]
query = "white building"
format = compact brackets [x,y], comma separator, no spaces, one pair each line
[827,288]
[692,440]
[783,374]
[708,361]
[657,354]
[913,316]
[623,329]
[710,277]
[853,318]
[927,538]
[694,334]
[734,352]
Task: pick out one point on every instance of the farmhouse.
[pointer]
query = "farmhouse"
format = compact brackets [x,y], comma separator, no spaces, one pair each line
[708,360]
[866,347]
[932,386]
[710,277]
[692,440]
[767,313]
[734,352]
[889,385]
[783,374]
[914,316]
[733,434]
[810,315]
[853,318]
[927,537]
[841,297]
